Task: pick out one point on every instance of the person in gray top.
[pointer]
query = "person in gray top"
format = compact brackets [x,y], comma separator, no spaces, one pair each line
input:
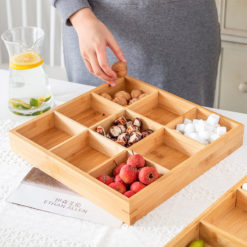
[172,44]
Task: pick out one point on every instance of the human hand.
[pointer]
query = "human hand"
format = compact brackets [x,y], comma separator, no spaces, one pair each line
[94,37]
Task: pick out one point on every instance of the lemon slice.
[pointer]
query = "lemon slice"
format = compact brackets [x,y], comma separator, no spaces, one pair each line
[16,103]
[45,98]
[27,60]
[35,102]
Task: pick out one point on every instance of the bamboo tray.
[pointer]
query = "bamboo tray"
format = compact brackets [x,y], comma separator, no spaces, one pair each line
[224,224]
[63,143]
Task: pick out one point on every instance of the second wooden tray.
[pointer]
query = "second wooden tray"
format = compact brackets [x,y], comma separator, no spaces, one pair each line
[224,224]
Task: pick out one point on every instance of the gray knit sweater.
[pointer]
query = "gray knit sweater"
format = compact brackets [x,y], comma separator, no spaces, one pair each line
[172,44]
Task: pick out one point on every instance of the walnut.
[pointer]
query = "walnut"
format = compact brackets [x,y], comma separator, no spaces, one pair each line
[133,101]
[142,95]
[120,68]
[135,93]
[124,94]
[120,100]
[106,95]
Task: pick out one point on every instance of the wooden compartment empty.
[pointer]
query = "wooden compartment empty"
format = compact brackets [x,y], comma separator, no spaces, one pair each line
[50,130]
[162,107]
[63,143]
[231,215]
[224,224]
[87,150]
[166,148]
[89,109]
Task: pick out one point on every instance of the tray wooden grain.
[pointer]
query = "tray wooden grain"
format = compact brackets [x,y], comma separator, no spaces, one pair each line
[224,224]
[63,143]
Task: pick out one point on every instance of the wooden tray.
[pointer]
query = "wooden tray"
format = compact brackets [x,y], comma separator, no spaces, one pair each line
[224,224]
[63,143]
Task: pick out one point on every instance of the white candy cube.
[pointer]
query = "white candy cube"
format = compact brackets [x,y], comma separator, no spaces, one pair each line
[204,135]
[203,141]
[180,128]
[220,131]
[200,126]
[187,121]
[193,135]
[213,137]
[210,127]
[195,121]
[188,128]
[213,119]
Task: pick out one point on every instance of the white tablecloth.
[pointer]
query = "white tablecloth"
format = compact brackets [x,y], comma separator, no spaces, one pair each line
[21,226]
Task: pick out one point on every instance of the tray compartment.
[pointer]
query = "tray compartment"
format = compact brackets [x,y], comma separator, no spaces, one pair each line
[107,167]
[231,215]
[167,148]
[87,150]
[128,114]
[202,113]
[127,84]
[89,109]
[50,130]
[162,107]
[212,236]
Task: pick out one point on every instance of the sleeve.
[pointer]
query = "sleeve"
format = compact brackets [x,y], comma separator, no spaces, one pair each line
[68,8]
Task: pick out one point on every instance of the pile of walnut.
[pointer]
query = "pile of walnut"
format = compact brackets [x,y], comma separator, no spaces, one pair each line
[124,98]
[125,132]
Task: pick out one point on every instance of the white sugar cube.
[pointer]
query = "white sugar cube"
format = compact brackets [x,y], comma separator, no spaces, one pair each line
[220,131]
[187,121]
[213,137]
[180,128]
[200,126]
[204,135]
[195,121]
[210,127]
[188,128]
[193,135]
[244,186]
[203,141]
[213,119]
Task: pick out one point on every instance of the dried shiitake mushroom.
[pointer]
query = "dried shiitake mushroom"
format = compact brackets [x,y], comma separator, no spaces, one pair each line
[120,68]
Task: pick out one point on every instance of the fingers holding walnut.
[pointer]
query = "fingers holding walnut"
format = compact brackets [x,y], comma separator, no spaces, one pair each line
[120,68]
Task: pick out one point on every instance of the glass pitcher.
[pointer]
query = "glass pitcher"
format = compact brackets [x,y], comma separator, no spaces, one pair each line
[29,90]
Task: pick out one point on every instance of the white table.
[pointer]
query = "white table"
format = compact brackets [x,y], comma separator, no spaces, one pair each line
[21,226]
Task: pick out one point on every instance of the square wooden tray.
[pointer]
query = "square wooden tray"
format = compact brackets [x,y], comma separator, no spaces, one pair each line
[64,144]
[224,224]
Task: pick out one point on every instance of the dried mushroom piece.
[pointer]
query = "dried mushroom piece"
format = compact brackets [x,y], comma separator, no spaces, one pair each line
[115,131]
[134,138]
[100,130]
[121,120]
[146,133]
[123,139]
[137,122]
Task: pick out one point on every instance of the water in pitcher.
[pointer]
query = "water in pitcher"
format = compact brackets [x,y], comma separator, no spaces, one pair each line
[29,89]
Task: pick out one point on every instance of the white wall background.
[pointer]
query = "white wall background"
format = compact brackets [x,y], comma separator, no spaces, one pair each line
[40,13]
